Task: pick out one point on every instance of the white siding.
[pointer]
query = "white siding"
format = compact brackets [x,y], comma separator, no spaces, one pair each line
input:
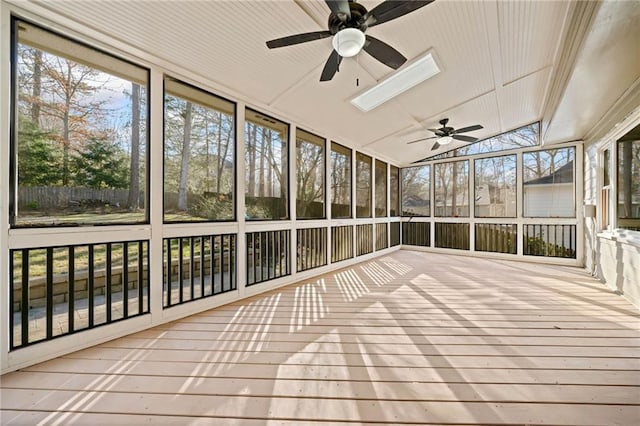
[612,256]
[549,200]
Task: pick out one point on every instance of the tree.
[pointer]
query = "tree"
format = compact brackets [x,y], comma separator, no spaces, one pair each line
[37,86]
[70,99]
[309,158]
[186,152]
[38,159]
[101,164]
[251,133]
[134,187]
[225,123]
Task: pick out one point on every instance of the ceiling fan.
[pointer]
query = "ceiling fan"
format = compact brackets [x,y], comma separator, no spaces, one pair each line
[445,135]
[348,22]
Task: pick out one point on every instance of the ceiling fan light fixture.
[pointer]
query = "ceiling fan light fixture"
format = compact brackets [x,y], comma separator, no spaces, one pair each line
[348,42]
[445,140]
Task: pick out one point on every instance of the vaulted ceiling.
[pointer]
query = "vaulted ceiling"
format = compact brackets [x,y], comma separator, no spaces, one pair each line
[503,63]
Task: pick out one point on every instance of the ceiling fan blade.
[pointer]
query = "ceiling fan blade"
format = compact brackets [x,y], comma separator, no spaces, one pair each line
[331,66]
[420,140]
[340,8]
[435,146]
[391,9]
[297,39]
[465,138]
[468,129]
[384,53]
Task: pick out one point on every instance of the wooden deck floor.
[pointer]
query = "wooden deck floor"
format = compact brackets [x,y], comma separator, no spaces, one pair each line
[406,338]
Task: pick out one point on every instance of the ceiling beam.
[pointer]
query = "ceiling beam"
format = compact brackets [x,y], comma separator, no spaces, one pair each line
[581,17]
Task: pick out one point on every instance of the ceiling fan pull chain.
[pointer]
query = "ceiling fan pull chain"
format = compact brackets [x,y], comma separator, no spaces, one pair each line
[357,70]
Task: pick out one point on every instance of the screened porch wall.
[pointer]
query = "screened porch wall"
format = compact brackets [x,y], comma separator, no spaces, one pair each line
[170,268]
[536,221]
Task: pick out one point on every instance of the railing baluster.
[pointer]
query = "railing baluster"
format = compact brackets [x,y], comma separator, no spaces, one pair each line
[24,309]
[234,277]
[72,288]
[91,284]
[108,282]
[12,302]
[192,267]
[141,253]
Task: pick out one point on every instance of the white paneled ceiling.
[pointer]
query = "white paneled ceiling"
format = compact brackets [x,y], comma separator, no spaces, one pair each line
[607,67]
[497,60]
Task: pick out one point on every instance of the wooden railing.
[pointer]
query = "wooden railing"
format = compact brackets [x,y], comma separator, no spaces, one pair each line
[382,238]
[60,290]
[550,240]
[364,239]
[312,248]
[416,234]
[394,233]
[198,267]
[268,255]
[341,243]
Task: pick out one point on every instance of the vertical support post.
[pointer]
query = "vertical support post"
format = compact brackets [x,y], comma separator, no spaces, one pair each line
[156,203]
[241,243]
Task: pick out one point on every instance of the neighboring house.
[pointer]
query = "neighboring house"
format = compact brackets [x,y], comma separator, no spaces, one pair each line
[443,206]
[414,205]
[551,195]
[495,201]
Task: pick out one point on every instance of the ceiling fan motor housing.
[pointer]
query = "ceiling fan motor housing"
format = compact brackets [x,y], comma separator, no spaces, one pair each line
[339,22]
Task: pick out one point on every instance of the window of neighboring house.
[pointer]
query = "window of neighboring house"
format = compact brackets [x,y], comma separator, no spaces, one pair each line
[79,141]
[549,183]
[363,185]
[495,186]
[381,189]
[199,155]
[452,189]
[394,194]
[309,175]
[416,191]
[266,167]
[628,197]
[340,181]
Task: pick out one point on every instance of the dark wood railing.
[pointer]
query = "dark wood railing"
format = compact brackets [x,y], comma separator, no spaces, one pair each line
[382,238]
[268,255]
[341,243]
[364,239]
[394,233]
[312,248]
[198,267]
[550,240]
[61,290]
[416,234]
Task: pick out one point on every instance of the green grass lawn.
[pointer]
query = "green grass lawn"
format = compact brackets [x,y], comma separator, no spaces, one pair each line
[84,218]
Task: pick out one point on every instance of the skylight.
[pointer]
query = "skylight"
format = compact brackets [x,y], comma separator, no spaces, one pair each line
[408,77]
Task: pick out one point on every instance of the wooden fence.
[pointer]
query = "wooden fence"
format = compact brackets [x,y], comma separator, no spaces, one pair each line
[60,197]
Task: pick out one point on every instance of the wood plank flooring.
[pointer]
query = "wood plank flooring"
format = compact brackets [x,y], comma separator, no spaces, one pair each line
[407,338]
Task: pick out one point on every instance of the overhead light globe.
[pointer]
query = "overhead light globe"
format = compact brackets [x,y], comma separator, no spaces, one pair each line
[445,140]
[348,42]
